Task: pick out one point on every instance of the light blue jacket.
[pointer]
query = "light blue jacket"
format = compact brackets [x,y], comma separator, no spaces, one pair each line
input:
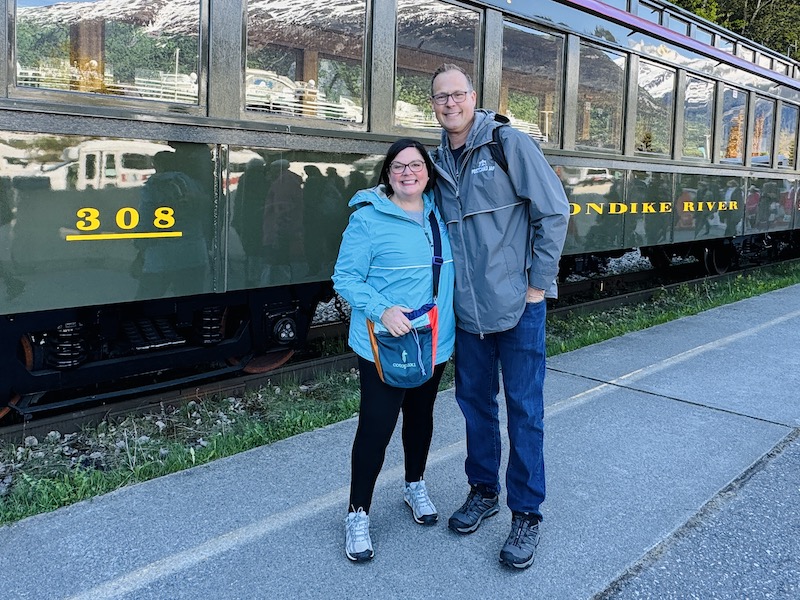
[385,260]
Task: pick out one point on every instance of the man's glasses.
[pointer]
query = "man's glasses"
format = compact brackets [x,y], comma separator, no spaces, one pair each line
[458,97]
[415,165]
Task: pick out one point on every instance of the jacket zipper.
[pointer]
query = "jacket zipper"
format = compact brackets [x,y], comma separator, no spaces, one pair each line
[459,171]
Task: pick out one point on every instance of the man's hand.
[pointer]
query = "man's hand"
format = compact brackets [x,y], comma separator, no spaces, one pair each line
[534,295]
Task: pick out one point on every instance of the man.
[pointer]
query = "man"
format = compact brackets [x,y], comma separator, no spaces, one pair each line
[507,224]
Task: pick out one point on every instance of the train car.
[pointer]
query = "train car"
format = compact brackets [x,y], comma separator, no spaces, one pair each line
[175,175]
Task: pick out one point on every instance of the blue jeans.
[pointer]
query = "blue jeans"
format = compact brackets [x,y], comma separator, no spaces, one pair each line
[521,352]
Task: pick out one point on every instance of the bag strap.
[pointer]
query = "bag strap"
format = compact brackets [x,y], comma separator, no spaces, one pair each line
[497,151]
[438,261]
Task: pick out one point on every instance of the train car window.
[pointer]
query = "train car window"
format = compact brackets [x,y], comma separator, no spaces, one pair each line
[601,89]
[780,67]
[306,60]
[787,137]
[90,168]
[530,87]
[654,109]
[678,25]
[620,4]
[429,34]
[763,133]
[764,61]
[746,53]
[143,49]
[703,35]
[649,12]
[725,44]
[698,119]
[733,125]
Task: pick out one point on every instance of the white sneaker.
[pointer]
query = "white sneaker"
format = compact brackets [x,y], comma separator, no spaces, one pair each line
[357,545]
[422,509]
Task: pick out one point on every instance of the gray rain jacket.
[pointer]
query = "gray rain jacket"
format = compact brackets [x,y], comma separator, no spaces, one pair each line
[506,230]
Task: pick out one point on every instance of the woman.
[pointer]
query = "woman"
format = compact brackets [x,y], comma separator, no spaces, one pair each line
[384,271]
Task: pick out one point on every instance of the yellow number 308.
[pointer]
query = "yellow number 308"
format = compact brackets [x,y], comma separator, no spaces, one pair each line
[126,218]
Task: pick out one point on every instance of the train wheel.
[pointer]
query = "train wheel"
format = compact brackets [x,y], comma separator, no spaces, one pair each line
[718,259]
[254,364]
[7,408]
[267,362]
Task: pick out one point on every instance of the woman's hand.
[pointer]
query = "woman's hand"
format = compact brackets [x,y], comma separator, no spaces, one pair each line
[395,321]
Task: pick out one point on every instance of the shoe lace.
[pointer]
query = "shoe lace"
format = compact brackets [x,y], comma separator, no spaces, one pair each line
[521,530]
[473,503]
[420,498]
[358,526]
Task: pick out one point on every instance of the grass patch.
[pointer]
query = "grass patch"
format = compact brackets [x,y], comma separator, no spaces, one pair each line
[42,475]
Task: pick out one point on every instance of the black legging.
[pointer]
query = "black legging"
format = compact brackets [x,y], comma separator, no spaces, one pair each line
[380,407]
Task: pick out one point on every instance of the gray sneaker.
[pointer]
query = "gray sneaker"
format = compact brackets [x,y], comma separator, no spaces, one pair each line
[520,547]
[422,509]
[477,507]
[357,545]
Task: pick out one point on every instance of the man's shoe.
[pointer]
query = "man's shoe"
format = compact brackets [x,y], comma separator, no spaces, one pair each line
[422,509]
[477,507]
[520,547]
[357,545]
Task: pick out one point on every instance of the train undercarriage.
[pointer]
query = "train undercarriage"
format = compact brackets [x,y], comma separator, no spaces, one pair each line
[716,255]
[67,358]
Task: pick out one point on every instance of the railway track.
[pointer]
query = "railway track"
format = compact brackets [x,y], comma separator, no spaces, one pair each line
[585,296]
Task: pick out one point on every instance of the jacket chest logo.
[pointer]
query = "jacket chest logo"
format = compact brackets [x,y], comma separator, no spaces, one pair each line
[483,167]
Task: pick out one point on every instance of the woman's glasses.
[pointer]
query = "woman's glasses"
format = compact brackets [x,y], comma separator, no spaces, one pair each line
[415,165]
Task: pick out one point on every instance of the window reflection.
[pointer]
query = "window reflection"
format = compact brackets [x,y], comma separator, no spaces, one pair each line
[787,137]
[530,88]
[725,44]
[650,193]
[703,35]
[288,210]
[763,132]
[707,206]
[305,60]
[698,119]
[601,85]
[734,111]
[746,53]
[146,49]
[768,205]
[654,112]
[650,12]
[678,25]
[429,34]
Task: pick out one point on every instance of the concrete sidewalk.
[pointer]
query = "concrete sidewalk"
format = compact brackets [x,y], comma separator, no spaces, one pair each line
[665,449]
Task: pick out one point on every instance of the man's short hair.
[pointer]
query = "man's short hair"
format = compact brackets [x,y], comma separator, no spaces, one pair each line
[451,67]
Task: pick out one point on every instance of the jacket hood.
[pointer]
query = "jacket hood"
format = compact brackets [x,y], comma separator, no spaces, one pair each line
[377,197]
